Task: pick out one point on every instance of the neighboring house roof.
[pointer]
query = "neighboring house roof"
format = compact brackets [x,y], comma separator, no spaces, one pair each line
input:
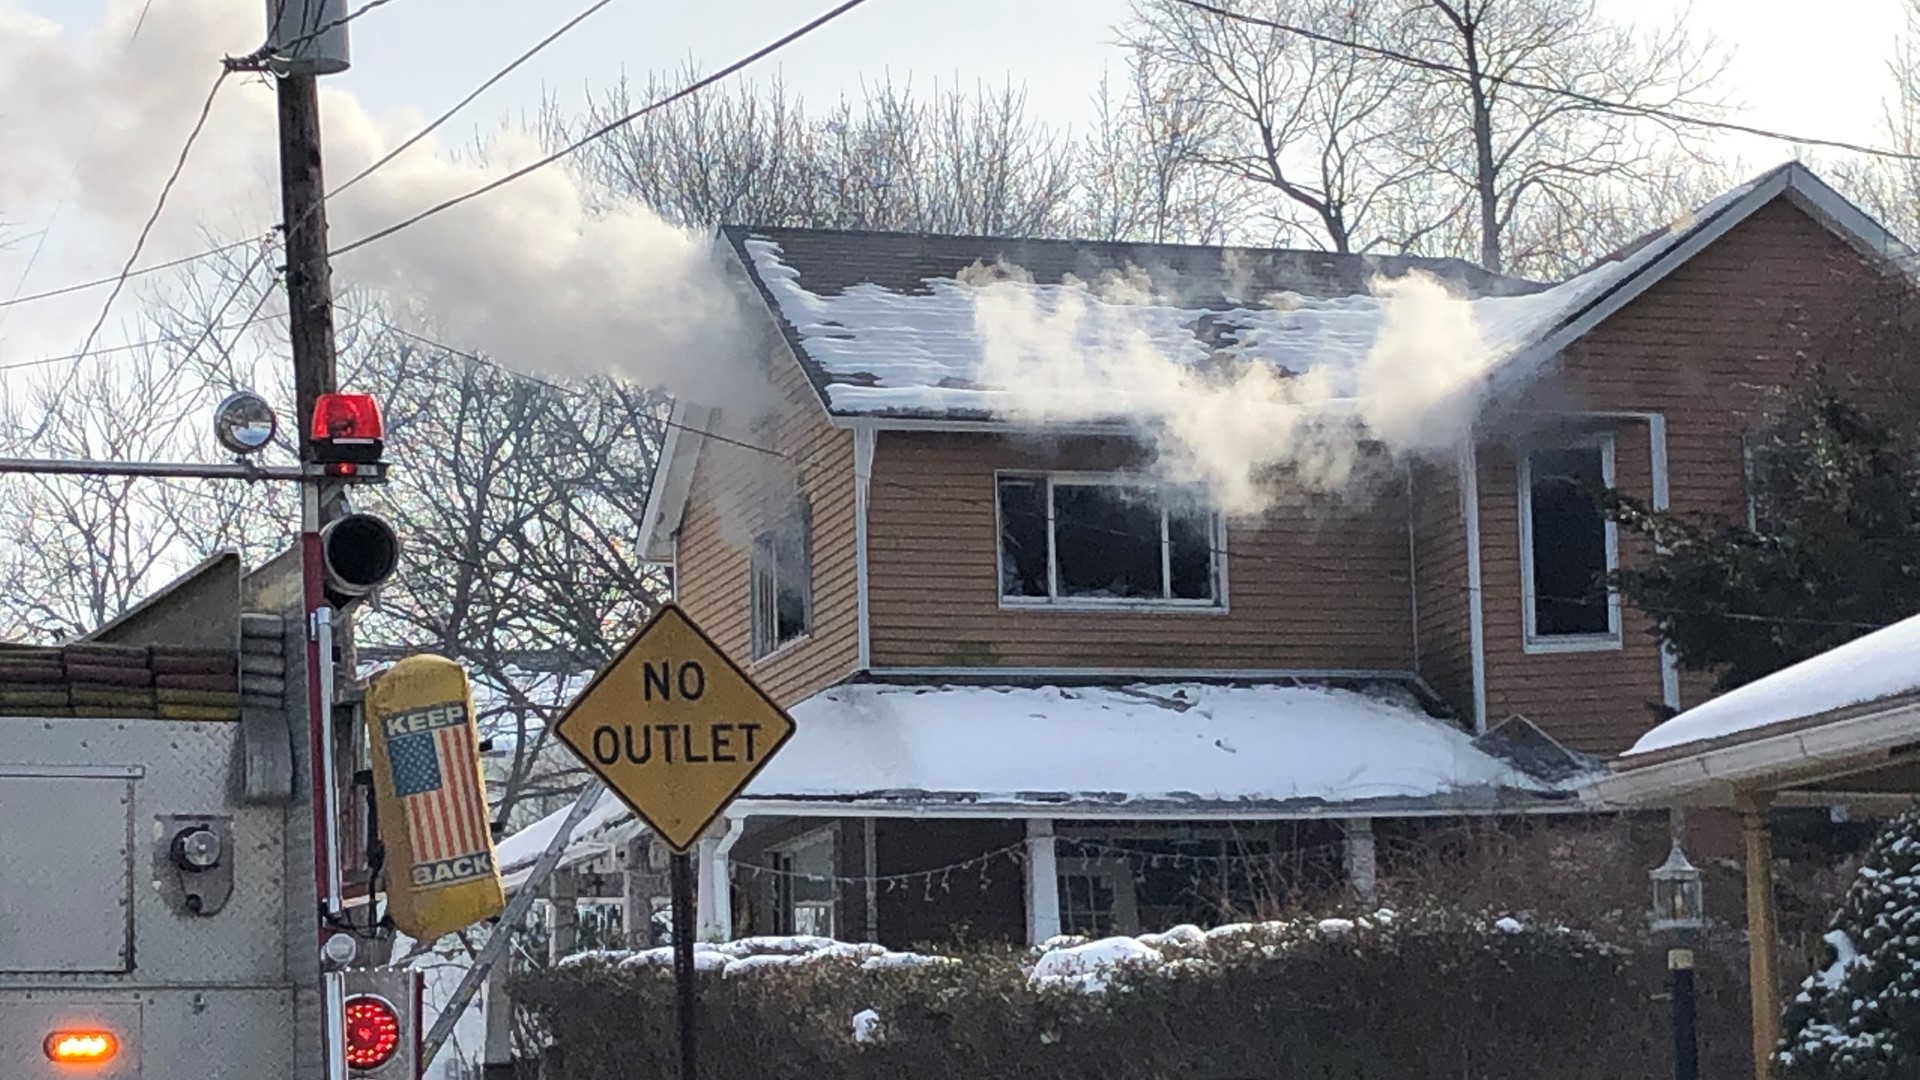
[1868,669]
[1839,728]
[1191,750]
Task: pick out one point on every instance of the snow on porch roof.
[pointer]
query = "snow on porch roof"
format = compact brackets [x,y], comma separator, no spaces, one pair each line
[1876,667]
[884,323]
[1185,746]
[1197,749]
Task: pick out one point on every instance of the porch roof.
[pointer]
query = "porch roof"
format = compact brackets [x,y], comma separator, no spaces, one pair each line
[1142,750]
[1840,728]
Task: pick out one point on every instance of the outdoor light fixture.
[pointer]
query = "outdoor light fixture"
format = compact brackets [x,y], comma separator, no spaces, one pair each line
[1680,909]
[1678,902]
[372,1032]
[244,423]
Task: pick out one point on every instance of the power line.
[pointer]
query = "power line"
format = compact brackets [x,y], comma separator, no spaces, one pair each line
[136,345]
[1618,107]
[468,100]
[199,125]
[687,91]
[363,174]
[79,161]
[110,279]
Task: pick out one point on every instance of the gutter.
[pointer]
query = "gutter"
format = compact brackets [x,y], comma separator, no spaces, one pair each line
[1712,776]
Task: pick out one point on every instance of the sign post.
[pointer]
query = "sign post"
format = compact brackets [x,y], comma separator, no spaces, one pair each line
[677,731]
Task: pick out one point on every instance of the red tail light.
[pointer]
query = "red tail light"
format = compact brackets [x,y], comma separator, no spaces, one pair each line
[373,1032]
[81,1047]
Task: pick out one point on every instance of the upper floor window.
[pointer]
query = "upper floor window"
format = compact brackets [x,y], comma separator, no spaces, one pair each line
[782,585]
[1071,538]
[1568,547]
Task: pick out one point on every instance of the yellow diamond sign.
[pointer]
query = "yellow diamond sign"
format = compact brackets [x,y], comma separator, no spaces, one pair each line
[674,727]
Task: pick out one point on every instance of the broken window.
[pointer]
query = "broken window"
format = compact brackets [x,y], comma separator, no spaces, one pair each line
[1568,545]
[803,885]
[782,585]
[1098,540]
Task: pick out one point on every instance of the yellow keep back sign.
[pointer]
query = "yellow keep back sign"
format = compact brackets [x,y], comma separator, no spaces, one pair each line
[432,796]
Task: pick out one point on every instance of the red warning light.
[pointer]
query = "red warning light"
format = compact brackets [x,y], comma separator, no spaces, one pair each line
[373,1032]
[347,427]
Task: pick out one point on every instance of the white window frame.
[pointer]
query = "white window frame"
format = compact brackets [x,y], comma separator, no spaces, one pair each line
[764,643]
[1053,601]
[1532,641]
[1118,876]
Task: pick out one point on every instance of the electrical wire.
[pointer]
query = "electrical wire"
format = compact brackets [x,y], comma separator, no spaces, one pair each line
[468,100]
[140,243]
[606,129]
[1604,104]
[79,161]
[133,346]
[363,174]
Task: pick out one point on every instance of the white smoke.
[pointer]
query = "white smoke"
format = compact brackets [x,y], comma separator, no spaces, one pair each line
[1090,353]
[527,274]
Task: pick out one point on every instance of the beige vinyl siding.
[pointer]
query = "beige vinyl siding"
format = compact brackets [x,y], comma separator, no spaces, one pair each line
[1321,588]
[1706,347]
[738,492]
[1440,582]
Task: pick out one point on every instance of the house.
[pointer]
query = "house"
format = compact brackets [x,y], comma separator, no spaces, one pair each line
[1043,688]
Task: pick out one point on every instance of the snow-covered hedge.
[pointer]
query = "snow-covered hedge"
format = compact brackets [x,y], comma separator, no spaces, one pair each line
[1379,995]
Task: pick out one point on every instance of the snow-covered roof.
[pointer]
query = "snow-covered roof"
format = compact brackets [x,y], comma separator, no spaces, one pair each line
[1195,746]
[1873,668]
[890,324]
[1152,749]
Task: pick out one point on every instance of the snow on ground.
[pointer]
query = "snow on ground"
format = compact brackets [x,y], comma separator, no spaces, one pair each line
[924,351]
[1193,744]
[1879,665]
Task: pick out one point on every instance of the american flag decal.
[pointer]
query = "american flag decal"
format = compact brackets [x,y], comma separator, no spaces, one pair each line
[436,778]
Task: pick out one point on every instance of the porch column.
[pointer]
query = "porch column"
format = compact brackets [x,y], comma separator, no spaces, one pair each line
[1043,882]
[636,893]
[1363,868]
[496,1013]
[1763,934]
[714,878]
[563,915]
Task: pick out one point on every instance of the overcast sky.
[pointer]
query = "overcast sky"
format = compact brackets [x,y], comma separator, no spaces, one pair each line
[1822,76]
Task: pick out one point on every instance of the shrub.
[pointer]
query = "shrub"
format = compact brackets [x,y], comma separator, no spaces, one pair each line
[1380,997]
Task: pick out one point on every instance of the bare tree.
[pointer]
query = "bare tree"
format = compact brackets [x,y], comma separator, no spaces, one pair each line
[949,162]
[1312,126]
[1143,174]
[1546,103]
[1480,128]
[1889,188]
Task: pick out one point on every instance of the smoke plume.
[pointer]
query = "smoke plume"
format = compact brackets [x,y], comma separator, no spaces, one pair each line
[1089,352]
[527,274]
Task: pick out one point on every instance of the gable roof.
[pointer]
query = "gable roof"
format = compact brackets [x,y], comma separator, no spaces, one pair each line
[884,323]
[889,324]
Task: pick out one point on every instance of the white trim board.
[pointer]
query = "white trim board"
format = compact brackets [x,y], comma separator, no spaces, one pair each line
[1532,641]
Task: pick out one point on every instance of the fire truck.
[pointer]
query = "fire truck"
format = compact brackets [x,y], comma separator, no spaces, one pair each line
[188,846]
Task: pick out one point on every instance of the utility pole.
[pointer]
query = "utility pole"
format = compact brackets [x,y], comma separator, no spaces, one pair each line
[309,277]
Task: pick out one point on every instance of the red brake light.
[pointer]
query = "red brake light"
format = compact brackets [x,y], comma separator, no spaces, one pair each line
[347,418]
[373,1032]
[81,1047]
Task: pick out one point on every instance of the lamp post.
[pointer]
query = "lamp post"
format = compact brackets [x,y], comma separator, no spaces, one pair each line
[1679,910]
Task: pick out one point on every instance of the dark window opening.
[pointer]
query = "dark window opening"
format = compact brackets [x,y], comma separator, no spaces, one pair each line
[782,586]
[1079,540]
[1569,542]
